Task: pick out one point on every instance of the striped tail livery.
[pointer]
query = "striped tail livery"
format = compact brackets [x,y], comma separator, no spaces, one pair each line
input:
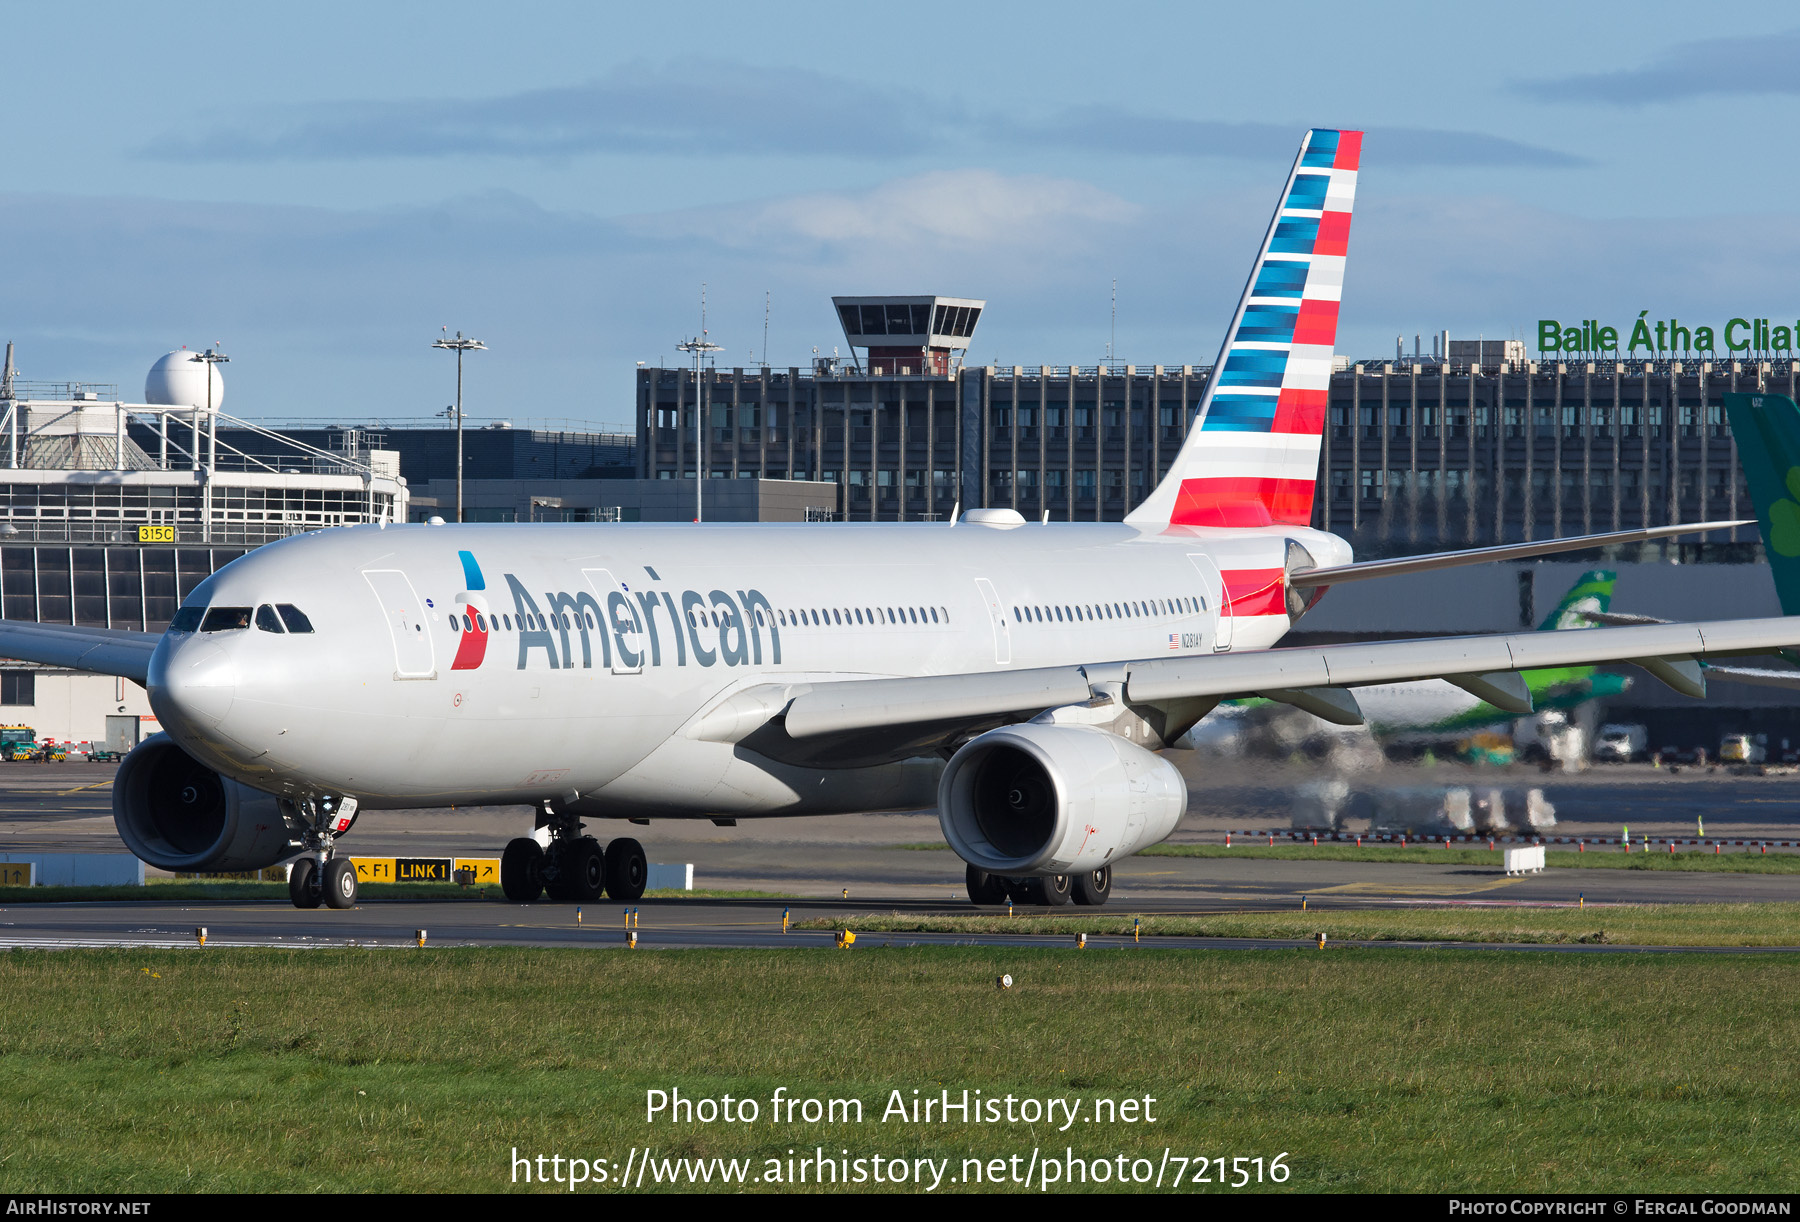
[1252,456]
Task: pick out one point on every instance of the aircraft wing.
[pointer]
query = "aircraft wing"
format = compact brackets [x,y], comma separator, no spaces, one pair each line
[103,651]
[837,722]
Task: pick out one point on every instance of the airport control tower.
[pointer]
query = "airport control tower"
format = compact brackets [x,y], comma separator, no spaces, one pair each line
[910,336]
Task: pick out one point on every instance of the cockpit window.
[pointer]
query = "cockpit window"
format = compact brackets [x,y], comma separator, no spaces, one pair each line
[225,619]
[267,620]
[294,618]
[187,619]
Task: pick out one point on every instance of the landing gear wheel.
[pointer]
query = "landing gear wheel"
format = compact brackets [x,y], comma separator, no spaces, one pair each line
[558,871]
[985,888]
[340,883]
[626,869]
[522,870]
[1092,889]
[1052,892]
[584,870]
[303,883]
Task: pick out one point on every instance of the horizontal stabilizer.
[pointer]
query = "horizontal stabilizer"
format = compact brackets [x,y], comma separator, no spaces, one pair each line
[1364,570]
[1756,676]
[1621,619]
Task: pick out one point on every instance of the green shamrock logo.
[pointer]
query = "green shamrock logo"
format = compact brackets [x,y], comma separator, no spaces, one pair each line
[1784,518]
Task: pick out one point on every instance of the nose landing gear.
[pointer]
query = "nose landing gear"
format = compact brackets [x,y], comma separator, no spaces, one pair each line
[560,861]
[319,875]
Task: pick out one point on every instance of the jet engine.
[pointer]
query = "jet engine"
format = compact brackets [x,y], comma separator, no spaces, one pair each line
[1041,799]
[178,814]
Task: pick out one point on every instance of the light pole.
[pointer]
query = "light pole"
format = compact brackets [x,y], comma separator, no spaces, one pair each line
[699,346]
[459,345]
[212,358]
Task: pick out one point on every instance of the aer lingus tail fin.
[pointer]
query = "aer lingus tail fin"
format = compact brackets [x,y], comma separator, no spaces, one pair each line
[1767,428]
[1592,591]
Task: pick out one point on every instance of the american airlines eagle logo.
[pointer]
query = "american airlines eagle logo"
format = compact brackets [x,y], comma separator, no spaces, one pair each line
[471,649]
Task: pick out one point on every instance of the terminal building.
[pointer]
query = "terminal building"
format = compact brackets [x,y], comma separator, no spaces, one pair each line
[112,511]
[1419,454]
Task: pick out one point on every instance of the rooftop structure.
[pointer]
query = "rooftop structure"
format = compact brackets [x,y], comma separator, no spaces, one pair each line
[910,335]
[79,468]
[112,511]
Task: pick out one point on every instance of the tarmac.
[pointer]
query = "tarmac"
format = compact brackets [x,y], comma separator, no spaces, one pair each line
[807,865]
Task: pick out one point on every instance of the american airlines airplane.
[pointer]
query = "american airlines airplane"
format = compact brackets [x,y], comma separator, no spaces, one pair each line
[1024,677]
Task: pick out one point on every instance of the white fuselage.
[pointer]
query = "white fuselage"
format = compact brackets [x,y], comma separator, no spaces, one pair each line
[605,644]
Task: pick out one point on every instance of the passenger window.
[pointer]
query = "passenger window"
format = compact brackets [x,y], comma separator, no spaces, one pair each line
[267,620]
[294,618]
[226,619]
[934,618]
[187,619]
[859,618]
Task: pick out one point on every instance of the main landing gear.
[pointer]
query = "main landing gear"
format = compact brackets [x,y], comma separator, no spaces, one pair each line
[319,876]
[1089,890]
[569,867]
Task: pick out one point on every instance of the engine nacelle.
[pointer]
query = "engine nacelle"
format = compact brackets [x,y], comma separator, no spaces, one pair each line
[178,814]
[1047,799]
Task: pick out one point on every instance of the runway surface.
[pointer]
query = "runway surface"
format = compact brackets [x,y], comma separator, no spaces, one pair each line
[811,862]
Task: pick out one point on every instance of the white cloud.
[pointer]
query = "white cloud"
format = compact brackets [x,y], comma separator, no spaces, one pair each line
[945,210]
[99,288]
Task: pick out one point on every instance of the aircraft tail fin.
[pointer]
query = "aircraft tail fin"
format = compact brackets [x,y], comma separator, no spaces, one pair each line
[1592,592]
[1252,454]
[1767,428]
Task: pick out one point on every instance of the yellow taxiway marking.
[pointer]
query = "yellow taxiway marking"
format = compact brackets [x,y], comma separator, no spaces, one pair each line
[1413,888]
[96,785]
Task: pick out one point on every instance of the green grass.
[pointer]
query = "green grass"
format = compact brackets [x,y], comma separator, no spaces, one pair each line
[1732,861]
[1622,924]
[421,1071]
[168,889]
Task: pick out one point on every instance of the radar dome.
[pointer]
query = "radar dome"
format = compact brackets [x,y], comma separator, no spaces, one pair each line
[179,380]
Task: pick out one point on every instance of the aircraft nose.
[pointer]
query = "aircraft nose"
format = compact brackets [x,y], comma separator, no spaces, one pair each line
[197,686]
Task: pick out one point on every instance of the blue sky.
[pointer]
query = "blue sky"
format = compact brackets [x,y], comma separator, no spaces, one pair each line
[322,187]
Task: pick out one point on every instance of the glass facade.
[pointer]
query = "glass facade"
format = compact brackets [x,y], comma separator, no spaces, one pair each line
[1416,456]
